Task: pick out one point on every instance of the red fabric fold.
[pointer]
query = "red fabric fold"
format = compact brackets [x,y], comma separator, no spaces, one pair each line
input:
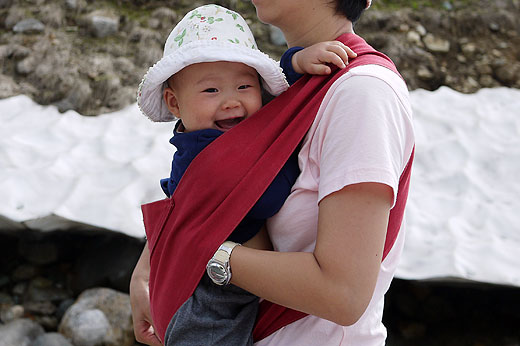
[223,183]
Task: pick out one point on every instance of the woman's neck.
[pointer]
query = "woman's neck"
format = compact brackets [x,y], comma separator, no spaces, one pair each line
[327,28]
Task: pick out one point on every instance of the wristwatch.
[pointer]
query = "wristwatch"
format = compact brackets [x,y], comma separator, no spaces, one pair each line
[218,267]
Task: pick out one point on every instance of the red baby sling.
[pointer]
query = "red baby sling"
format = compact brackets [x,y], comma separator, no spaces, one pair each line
[224,182]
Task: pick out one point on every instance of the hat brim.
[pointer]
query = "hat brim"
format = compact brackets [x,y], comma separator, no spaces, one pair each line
[150,92]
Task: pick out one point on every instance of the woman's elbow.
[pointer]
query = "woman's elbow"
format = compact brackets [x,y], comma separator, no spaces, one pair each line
[347,311]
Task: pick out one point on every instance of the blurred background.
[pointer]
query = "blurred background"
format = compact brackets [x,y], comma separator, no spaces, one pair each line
[69,74]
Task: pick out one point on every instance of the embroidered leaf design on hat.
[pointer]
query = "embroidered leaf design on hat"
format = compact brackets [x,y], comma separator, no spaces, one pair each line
[212,20]
[240,27]
[235,41]
[195,13]
[180,38]
[235,16]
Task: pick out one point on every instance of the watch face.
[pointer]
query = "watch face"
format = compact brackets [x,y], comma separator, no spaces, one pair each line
[217,273]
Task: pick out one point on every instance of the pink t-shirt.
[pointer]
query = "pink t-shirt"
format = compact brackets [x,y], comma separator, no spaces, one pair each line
[363,132]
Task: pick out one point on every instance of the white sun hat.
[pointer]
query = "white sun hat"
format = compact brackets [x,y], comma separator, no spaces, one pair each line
[206,34]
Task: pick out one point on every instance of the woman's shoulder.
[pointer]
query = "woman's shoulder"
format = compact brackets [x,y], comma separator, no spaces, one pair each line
[364,90]
[368,79]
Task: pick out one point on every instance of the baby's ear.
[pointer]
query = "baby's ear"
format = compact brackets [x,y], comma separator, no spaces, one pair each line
[171,101]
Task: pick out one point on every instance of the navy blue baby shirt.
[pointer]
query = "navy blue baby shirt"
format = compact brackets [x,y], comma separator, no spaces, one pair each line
[190,144]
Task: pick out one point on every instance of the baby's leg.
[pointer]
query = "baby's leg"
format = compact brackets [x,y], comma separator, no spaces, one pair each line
[214,315]
[260,241]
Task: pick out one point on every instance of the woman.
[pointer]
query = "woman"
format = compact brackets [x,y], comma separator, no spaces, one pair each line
[333,257]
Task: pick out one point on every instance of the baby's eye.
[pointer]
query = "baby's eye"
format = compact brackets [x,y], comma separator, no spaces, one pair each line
[210,90]
[245,86]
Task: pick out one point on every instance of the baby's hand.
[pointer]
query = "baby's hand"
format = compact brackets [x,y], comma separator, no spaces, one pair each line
[314,59]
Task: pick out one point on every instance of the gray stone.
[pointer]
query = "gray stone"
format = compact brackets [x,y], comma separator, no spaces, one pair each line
[71,4]
[469,48]
[414,37]
[100,316]
[52,14]
[29,26]
[424,73]
[77,98]
[14,15]
[21,332]
[26,66]
[44,290]
[435,44]
[39,308]
[163,18]
[102,26]
[10,312]
[51,339]
[507,74]
[9,88]
[89,328]
[47,322]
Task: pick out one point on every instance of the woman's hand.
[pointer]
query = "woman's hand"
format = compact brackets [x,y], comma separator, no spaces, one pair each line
[140,301]
[314,59]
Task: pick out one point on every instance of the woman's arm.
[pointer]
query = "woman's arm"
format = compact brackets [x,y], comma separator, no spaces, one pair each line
[337,280]
[140,301]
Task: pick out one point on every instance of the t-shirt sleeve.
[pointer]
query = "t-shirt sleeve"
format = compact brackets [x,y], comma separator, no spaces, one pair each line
[286,64]
[365,134]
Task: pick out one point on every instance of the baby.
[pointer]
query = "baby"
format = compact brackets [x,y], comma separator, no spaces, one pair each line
[211,78]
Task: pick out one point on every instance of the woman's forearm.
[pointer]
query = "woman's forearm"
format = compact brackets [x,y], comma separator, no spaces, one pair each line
[337,280]
[292,279]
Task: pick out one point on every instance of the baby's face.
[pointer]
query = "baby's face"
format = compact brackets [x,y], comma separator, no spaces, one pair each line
[214,95]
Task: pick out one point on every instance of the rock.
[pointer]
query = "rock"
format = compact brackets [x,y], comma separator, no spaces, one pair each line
[51,339]
[39,308]
[77,98]
[102,26]
[52,15]
[26,66]
[89,328]
[469,48]
[414,37]
[100,316]
[424,73]
[10,313]
[9,87]
[435,44]
[507,74]
[420,30]
[71,4]
[29,26]
[163,18]
[14,15]
[21,332]
[47,322]
[43,290]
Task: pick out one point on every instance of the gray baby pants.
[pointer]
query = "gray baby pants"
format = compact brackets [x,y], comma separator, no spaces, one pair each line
[214,315]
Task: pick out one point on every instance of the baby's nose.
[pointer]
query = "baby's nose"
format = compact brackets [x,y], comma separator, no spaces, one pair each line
[230,103]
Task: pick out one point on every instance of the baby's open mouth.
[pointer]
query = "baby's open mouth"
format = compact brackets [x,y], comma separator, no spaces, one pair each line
[228,124]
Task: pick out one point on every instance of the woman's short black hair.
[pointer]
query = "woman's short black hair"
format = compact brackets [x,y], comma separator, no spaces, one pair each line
[351,9]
